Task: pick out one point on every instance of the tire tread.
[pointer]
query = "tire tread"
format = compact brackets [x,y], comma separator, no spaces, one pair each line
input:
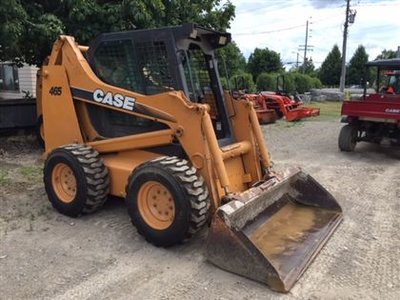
[193,185]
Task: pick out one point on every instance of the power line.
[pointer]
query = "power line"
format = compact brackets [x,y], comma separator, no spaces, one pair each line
[269,31]
[281,5]
[285,28]
[275,5]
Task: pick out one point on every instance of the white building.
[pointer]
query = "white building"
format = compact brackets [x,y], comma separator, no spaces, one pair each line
[15,83]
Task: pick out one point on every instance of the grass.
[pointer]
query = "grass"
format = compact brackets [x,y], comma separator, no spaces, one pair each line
[4,180]
[330,111]
[34,174]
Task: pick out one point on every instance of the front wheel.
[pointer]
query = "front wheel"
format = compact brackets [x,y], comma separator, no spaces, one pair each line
[76,180]
[348,138]
[167,200]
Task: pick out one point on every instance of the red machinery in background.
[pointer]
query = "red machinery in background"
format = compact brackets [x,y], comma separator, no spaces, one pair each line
[284,106]
[271,106]
[265,114]
[374,116]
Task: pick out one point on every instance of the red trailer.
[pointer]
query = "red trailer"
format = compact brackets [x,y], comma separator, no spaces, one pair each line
[375,116]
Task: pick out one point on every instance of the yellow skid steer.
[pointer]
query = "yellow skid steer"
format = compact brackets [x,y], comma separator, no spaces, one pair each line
[142,115]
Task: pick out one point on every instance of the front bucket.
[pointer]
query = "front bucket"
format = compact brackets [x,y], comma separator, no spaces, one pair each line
[271,232]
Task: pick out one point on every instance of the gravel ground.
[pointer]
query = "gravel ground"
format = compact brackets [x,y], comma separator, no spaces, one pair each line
[46,255]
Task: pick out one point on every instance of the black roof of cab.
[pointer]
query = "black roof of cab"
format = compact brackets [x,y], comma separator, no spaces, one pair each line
[390,63]
[189,31]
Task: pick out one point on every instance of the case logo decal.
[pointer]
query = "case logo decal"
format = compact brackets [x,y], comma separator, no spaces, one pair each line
[116,100]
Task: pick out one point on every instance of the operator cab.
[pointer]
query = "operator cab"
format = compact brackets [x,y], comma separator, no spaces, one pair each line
[156,61]
[387,77]
[393,82]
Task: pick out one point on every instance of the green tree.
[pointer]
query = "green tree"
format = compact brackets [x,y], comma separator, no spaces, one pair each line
[329,73]
[208,13]
[307,68]
[30,26]
[355,71]
[264,60]
[13,18]
[230,60]
[386,54]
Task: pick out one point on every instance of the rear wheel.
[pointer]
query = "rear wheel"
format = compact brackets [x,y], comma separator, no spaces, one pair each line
[348,138]
[40,131]
[167,200]
[76,180]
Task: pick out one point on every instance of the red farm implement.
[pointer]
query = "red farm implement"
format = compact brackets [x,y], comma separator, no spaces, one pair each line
[283,105]
[265,114]
[286,107]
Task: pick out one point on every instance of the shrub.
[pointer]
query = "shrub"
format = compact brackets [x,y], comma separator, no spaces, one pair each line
[289,85]
[316,83]
[244,81]
[302,82]
[293,82]
[266,82]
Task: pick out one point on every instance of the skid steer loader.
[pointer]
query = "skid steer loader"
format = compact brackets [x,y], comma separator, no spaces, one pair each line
[142,115]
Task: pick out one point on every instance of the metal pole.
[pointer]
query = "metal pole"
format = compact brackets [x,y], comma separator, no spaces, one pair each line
[305,49]
[346,25]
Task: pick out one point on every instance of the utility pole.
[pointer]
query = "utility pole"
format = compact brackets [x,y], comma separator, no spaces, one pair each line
[306,46]
[346,25]
[350,16]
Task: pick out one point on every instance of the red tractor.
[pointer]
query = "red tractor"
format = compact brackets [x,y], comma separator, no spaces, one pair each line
[290,109]
[271,106]
[265,114]
[374,116]
[285,106]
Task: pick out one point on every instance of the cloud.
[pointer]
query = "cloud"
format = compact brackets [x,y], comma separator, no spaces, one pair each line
[280,25]
[324,3]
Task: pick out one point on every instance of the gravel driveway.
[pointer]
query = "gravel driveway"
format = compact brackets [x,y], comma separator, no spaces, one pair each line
[46,255]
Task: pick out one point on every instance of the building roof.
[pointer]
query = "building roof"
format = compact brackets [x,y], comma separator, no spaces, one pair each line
[383,63]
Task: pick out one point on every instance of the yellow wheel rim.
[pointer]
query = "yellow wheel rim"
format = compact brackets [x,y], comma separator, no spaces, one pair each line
[64,183]
[156,205]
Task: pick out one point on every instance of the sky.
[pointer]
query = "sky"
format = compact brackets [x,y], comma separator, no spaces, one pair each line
[280,25]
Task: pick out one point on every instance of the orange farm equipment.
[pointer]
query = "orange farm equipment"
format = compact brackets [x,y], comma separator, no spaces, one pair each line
[284,106]
[265,115]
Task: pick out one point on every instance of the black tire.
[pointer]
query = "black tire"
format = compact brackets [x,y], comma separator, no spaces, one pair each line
[348,138]
[39,131]
[90,175]
[189,193]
